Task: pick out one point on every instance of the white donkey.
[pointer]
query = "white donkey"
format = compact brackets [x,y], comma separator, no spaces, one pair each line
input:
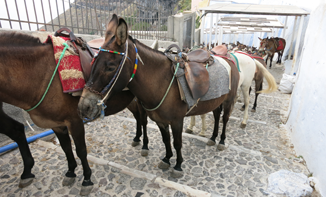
[248,67]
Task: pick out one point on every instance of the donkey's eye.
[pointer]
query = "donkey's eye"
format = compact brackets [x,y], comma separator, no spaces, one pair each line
[110,68]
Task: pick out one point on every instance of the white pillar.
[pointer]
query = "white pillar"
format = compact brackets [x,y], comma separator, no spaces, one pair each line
[220,36]
[293,34]
[210,32]
[285,27]
[297,43]
[216,29]
[202,28]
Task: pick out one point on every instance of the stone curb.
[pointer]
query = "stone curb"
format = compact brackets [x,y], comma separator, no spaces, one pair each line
[135,173]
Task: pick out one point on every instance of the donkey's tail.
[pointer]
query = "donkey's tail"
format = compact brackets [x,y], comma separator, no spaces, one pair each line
[272,87]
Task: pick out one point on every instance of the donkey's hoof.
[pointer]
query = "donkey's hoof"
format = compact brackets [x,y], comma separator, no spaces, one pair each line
[189,131]
[176,173]
[221,147]
[85,190]
[162,165]
[133,144]
[210,143]
[242,126]
[67,181]
[25,182]
[253,110]
[144,152]
[202,134]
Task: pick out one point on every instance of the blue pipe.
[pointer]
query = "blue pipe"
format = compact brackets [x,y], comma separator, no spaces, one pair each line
[29,139]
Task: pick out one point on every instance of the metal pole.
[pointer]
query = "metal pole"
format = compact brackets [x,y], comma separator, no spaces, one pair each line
[64,12]
[8,14]
[72,24]
[56,2]
[202,28]
[51,15]
[285,27]
[29,25]
[297,42]
[35,15]
[293,34]
[20,24]
[76,9]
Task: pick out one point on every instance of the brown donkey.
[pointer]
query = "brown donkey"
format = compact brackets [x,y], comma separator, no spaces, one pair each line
[26,68]
[117,67]
[271,46]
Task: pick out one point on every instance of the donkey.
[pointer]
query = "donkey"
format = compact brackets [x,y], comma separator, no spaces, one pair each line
[271,46]
[116,67]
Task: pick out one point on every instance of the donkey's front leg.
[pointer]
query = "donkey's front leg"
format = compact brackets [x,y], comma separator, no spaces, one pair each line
[177,143]
[77,131]
[65,142]
[165,163]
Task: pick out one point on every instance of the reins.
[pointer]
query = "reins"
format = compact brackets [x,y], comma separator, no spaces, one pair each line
[56,68]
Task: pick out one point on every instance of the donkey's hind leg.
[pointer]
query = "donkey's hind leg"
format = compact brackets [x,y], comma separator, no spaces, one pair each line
[228,107]
[191,125]
[16,131]
[217,114]
[203,125]
[245,92]
[259,87]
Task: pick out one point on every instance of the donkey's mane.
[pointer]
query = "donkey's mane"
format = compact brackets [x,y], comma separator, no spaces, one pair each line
[156,52]
[13,38]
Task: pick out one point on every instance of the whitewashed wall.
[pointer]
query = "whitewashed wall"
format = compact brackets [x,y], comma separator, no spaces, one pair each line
[307,118]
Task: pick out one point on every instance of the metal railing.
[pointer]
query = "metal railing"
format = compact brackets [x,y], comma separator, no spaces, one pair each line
[146,19]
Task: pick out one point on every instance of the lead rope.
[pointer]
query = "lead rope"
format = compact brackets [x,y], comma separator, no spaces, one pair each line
[47,89]
[101,102]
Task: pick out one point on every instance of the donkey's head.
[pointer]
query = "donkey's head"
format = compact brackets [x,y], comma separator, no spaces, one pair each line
[111,70]
[263,44]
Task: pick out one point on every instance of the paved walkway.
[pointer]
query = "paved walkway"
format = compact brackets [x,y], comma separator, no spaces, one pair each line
[119,170]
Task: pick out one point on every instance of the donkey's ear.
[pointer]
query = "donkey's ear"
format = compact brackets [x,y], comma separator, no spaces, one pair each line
[111,27]
[260,39]
[122,32]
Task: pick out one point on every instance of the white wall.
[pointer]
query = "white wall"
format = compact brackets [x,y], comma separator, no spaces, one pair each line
[307,118]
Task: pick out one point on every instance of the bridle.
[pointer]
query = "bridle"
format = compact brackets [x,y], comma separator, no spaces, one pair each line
[111,84]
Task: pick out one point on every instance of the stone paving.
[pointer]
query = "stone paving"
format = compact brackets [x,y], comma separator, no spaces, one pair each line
[241,170]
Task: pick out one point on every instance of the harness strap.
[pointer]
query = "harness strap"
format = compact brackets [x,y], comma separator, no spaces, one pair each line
[114,80]
[56,68]
[236,59]
[166,93]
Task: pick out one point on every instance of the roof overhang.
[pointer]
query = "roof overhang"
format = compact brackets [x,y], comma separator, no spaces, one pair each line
[284,10]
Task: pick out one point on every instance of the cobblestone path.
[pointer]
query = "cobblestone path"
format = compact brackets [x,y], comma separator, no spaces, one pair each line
[119,170]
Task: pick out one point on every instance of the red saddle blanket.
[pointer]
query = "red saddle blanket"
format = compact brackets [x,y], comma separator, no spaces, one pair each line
[280,45]
[70,71]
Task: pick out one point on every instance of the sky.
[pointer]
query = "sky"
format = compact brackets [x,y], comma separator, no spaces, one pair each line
[30,11]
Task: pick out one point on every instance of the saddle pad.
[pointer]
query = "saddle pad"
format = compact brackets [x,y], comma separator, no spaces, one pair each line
[280,45]
[227,67]
[218,79]
[70,71]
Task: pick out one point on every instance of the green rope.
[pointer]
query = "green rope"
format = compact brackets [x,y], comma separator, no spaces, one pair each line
[166,93]
[236,59]
[47,89]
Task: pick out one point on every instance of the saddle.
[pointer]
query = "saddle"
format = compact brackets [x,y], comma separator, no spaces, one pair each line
[194,65]
[96,44]
[80,47]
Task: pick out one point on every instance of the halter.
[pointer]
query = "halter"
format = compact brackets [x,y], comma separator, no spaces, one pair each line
[117,74]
